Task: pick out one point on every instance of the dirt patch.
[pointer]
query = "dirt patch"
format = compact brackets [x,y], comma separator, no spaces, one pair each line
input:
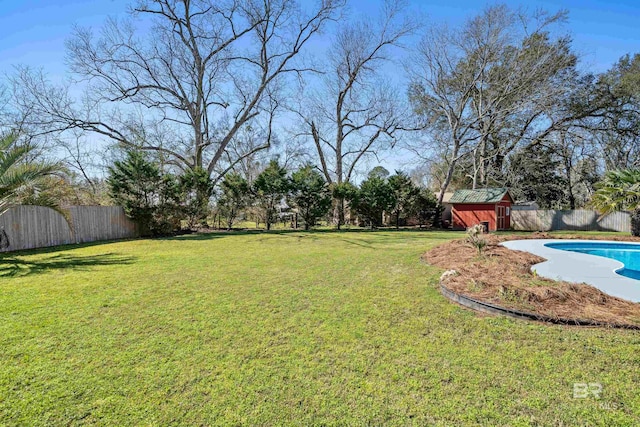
[503,277]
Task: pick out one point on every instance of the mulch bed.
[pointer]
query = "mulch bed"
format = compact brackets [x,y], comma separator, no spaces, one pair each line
[503,277]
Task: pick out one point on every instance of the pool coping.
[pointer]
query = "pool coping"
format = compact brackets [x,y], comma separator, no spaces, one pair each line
[575,267]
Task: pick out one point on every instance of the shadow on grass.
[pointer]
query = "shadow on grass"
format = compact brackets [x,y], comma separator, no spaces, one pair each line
[59,248]
[11,266]
[379,238]
[208,235]
[394,234]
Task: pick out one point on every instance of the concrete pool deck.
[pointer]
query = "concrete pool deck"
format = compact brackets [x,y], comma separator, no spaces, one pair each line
[575,267]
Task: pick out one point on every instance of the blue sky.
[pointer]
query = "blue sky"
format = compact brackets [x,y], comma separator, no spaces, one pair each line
[603,30]
[32,32]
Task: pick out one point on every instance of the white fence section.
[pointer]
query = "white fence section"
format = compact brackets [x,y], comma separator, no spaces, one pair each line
[583,220]
[28,227]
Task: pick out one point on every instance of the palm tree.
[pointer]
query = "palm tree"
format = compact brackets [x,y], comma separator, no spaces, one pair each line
[17,176]
[620,190]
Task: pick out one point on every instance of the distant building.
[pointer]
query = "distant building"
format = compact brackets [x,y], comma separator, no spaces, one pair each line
[525,206]
[488,206]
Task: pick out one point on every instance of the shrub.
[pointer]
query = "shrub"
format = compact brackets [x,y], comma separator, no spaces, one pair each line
[147,196]
[476,238]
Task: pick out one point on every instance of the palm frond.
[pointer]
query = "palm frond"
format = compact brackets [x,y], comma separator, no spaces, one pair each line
[24,174]
[25,182]
[619,190]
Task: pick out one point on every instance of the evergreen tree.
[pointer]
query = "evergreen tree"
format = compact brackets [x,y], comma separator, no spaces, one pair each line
[234,198]
[404,194]
[424,206]
[196,188]
[147,196]
[270,187]
[374,198]
[534,176]
[310,194]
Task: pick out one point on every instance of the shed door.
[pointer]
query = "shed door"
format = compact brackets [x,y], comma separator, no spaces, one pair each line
[501,218]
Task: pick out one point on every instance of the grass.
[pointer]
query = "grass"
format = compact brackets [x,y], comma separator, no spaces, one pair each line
[317,328]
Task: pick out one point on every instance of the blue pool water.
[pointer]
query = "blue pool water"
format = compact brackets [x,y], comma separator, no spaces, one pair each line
[626,253]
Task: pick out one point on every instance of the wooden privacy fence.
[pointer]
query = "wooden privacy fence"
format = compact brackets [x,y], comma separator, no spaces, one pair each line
[583,220]
[28,227]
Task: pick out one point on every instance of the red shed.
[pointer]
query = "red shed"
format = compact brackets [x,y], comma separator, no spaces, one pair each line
[485,205]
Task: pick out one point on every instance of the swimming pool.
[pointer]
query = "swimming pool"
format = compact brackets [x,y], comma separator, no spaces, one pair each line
[627,253]
[584,261]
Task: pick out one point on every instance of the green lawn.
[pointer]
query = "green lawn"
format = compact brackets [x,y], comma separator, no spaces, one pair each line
[319,328]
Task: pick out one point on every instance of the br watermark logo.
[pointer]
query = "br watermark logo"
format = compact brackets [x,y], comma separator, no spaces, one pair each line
[586,390]
[594,391]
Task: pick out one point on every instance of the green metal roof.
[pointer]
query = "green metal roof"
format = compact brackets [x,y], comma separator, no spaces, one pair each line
[481,195]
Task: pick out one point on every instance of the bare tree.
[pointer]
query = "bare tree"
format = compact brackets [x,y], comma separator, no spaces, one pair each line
[441,92]
[616,130]
[187,86]
[489,86]
[579,165]
[355,112]
[16,117]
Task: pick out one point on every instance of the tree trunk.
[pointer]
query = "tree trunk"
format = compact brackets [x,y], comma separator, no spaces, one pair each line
[437,218]
[635,223]
[267,219]
[572,198]
[339,212]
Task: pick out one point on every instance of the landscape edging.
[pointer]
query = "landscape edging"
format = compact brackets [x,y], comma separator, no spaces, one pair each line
[486,307]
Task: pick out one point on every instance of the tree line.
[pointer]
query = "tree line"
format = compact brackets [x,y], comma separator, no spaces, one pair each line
[160,202]
[210,93]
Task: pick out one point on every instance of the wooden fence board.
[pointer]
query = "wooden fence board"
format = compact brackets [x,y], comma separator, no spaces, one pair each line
[578,220]
[29,227]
